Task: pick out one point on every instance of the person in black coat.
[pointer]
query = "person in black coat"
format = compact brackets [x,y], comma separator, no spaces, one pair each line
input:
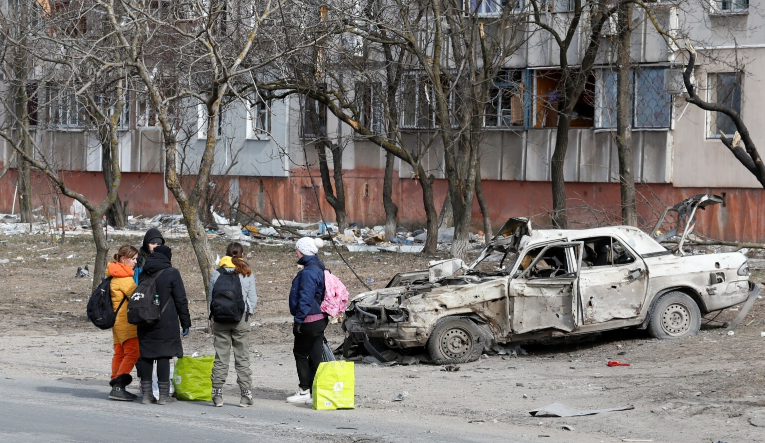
[162,341]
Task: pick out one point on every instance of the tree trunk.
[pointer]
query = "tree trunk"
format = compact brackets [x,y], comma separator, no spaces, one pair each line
[487,230]
[462,218]
[391,210]
[335,197]
[623,117]
[431,216]
[446,216]
[115,215]
[24,181]
[21,71]
[559,216]
[102,248]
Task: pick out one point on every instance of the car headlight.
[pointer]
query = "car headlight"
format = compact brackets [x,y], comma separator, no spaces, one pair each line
[744,269]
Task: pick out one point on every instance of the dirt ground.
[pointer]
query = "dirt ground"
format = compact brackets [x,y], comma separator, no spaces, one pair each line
[706,388]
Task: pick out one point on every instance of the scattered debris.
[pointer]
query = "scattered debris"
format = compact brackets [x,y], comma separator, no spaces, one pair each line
[450,368]
[401,396]
[561,410]
[567,427]
[616,363]
[82,272]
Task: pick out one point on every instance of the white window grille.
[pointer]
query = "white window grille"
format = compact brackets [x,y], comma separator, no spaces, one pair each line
[63,109]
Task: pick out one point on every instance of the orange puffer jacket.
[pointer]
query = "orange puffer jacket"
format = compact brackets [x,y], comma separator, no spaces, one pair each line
[122,285]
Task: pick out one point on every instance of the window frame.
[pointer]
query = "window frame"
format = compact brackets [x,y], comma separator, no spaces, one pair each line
[258,111]
[320,110]
[600,100]
[712,131]
[369,106]
[501,87]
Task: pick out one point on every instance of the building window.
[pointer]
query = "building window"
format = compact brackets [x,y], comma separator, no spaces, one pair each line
[369,106]
[314,116]
[505,107]
[650,103]
[653,105]
[724,88]
[731,5]
[63,109]
[547,101]
[258,119]
[493,8]
[416,100]
[144,113]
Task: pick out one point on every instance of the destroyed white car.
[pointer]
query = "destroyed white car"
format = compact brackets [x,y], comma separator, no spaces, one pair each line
[536,284]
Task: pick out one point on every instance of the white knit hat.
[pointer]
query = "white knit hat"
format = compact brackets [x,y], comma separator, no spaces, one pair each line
[309,246]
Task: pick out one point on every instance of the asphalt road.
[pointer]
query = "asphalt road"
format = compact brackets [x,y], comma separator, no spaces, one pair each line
[69,410]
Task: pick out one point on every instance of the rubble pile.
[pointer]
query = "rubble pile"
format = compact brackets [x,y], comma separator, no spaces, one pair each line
[355,238]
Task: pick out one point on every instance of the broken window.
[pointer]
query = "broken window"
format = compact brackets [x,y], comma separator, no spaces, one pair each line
[724,88]
[506,100]
[547,98]
[605,251]
[554,262]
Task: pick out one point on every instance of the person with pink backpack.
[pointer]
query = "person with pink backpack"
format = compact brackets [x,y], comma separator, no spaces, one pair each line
[306,296]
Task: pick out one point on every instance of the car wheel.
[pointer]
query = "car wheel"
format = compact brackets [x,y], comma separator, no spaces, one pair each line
[674,315]
[454,340]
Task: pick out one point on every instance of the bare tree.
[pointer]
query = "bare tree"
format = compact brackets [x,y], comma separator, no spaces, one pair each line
[77,78]
[746,155]
[587,17]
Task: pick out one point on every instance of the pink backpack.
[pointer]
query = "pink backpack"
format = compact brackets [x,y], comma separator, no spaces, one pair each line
[335,295]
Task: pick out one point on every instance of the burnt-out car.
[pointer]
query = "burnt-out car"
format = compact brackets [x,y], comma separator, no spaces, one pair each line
[532,284]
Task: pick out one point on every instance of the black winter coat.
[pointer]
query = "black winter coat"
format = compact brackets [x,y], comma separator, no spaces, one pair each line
[163,340]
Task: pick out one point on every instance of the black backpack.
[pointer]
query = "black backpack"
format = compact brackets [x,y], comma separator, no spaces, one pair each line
[227,304]
[142,309]
[100,311]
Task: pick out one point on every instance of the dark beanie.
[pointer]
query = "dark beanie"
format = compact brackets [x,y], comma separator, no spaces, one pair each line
[159,240]
[164,250]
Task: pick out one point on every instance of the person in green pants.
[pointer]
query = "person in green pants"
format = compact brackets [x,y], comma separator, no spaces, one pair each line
[232,294]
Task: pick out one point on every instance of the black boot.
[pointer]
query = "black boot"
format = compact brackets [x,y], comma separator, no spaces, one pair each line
[118,388]
[148,396]
[164,393]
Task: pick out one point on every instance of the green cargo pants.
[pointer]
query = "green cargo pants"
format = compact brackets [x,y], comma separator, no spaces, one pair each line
[225,337]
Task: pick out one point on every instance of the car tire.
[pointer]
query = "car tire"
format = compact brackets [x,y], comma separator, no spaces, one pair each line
[674,315]
[454,340]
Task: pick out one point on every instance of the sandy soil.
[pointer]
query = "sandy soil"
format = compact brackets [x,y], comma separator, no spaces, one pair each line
[705,388]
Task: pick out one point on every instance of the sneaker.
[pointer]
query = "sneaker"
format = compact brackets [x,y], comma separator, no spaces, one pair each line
[246,400]
[300,396]
[217,397]
[118,393]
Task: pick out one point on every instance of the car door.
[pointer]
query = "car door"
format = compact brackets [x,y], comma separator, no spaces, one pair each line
[545,294]
[612,282]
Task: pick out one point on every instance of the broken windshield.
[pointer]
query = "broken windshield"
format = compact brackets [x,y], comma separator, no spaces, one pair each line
[496,261]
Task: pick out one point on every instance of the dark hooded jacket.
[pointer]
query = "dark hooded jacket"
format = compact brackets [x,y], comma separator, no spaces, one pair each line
[163,340]
[143,252]
[307,290]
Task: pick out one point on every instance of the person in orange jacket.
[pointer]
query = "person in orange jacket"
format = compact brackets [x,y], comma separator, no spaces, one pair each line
[125,335]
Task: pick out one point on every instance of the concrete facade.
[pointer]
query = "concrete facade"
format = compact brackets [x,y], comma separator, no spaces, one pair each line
[266,171]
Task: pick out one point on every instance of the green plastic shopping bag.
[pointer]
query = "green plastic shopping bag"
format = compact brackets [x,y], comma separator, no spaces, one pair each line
[191,378]
[333,386]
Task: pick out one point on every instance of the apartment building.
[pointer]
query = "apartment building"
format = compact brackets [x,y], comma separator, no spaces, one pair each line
[263,145]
